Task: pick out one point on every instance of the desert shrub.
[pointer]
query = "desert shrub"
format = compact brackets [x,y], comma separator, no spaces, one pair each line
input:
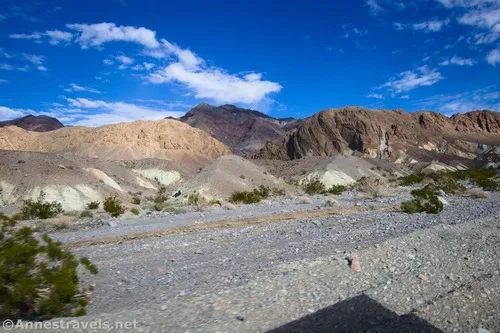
[214,202]
[175,210]
[412,179]
[86,213]
[278,192]
[134,211]
[113,206]
[136,200]
[38,278]
[425,200]
[264,191]
[161,195]
[374,187]
[337,189]
[93,205]
[313,186]
[40,209]
[446,182]
[195,199]
[246,197]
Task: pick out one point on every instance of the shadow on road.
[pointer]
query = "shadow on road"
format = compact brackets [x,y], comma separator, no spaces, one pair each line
[357,314]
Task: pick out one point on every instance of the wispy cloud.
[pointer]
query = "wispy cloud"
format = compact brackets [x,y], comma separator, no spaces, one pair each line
[487,98]
[376,96]
[73,87]
[93,35]
[493,57]
[409,80]
[374,7]
[458,61]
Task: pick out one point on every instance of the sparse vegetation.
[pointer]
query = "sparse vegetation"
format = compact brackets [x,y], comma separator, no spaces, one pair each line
[425,201]
[134,211]
[255,196]
[93,205]
[214,202]
[314,186]
[195,199]
[86,213]
[175,210]
[40,209]
[331,203]
[160,200]
[113,206]
[337,189]
[136,200]
[38,278]
[449,181]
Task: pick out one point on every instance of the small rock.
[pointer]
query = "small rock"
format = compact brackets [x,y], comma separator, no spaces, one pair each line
[163,307]
[443,201]
[482,330]
[423,277]
[240,317]
[355,265]
[61,166]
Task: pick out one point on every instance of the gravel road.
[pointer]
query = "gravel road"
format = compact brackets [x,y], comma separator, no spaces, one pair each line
[420,273]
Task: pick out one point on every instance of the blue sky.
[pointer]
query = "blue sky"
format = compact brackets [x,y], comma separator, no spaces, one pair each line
[107,61]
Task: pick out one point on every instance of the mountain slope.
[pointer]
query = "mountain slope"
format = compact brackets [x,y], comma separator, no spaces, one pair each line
[242,130]
[34,123]
[393,134]
[164,139]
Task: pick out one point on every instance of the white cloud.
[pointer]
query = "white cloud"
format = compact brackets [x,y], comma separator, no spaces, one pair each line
[42,68]
[431,26]
[92,35]
[458,61]
[4,81]
[116,112]
[376,96]
[34,59]
[405,97]
[217,85]
[58,36]
[374,8]
[482,99]
[410,80]
[493,57]
[73,87]
[108,62]
[35,36]
[125,60]
[8,113]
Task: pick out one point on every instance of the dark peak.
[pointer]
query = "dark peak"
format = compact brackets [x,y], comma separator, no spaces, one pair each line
[203,105]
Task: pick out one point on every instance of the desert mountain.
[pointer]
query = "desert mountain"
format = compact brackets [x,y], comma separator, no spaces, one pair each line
[242,130]
[34,123]
[163,139]
[388,134]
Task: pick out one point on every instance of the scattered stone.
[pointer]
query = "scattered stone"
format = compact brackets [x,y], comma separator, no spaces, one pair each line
[240,317]
[355,265]
[423,277]
[163,307]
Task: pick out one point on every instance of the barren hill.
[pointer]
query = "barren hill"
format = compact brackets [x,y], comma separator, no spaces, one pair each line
[34,123]
[242,130]
[387,134]
[163,139]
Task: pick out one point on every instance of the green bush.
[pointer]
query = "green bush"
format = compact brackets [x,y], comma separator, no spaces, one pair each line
[136,200]
[38,278]
[195,199]
[337,189]
[86,213]
[278,192]
[446,182]
[40,209]
[425,201]
[246,197]
[113,206]
[93,205]
[314,186]
[134,211]
[412,179]
[214,202]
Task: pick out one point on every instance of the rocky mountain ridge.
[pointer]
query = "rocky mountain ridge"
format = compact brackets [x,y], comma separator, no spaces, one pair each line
[244,131]
[34,123]
[387,134]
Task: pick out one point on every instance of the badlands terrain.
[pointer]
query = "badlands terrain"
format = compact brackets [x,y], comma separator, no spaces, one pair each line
[286,263]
